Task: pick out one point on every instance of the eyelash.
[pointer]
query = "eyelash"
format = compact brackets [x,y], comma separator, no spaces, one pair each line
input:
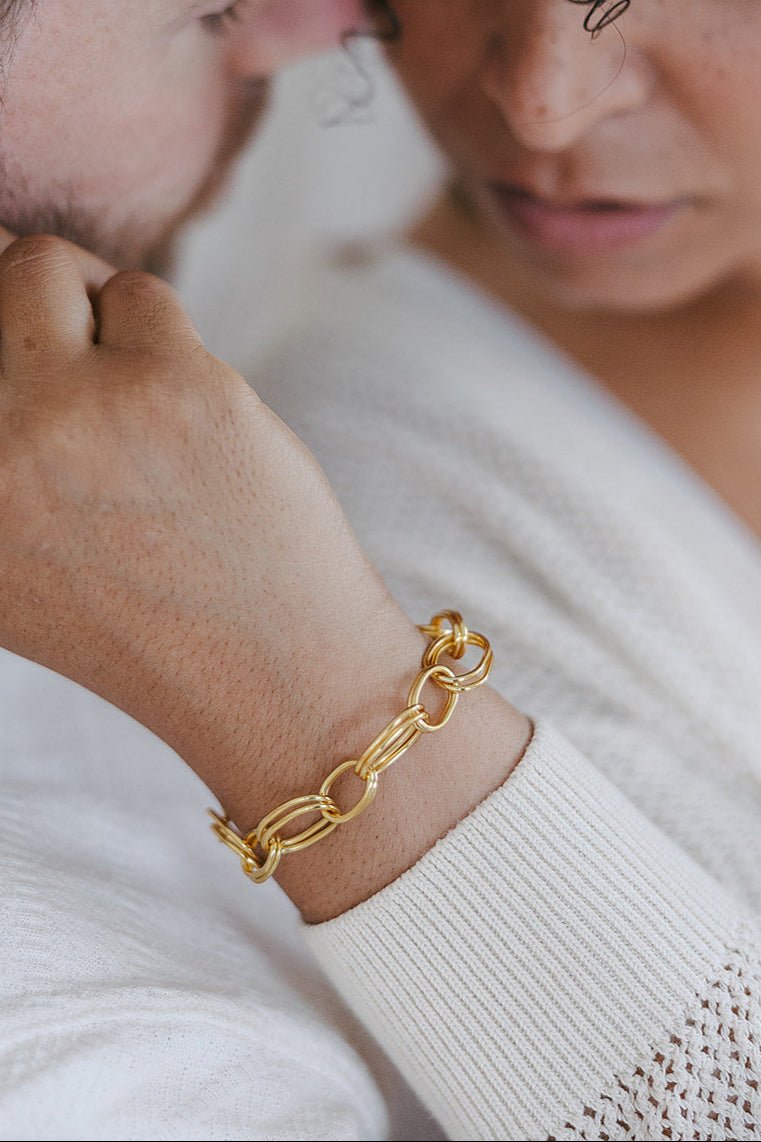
[217,23]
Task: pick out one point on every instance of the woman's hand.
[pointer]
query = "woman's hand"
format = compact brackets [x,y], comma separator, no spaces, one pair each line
[166,541]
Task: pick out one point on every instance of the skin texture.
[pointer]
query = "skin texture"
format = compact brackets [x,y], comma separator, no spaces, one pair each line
[119,120]
[660,108]
[166,541]
[170,544]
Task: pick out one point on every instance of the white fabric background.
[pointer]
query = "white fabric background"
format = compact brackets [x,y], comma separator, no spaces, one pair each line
[340,156]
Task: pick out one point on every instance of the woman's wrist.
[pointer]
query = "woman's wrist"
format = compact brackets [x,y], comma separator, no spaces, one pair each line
[431,788]
[423,797]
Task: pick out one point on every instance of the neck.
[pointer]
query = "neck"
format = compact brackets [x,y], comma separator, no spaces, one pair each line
[691,373]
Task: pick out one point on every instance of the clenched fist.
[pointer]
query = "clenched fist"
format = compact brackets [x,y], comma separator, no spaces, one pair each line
[166,541]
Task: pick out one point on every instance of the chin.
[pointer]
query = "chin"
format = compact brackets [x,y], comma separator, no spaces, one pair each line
[623,290]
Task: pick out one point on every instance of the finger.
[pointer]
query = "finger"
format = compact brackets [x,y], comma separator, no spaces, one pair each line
[45,309]
[139,311]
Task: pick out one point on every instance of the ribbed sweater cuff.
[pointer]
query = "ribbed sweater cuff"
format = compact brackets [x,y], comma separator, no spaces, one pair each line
[544,945]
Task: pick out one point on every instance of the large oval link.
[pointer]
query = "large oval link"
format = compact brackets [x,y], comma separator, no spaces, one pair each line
[269,827]
[436,674]
[394,740]
[261,850]
[333,813]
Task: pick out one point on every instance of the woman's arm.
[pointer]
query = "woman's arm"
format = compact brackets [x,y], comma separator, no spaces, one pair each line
[558,968]
[170,544]
[554,967]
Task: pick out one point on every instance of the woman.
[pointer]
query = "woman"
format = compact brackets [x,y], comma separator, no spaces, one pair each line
[570,449]
[579,956]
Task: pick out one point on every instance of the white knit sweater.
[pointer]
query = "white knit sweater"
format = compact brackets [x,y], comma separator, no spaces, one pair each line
[580,958]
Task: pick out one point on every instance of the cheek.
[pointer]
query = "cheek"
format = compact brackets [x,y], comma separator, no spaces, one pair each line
[727,103]
[146,167]
[161,149]
[437,55]
[133,129]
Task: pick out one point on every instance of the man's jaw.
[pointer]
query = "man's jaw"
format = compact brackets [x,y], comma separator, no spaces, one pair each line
[133,241]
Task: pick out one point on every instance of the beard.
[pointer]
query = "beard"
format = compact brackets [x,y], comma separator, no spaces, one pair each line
[134,242]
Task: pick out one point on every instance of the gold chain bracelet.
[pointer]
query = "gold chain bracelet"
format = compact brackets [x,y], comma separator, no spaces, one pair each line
[261,850]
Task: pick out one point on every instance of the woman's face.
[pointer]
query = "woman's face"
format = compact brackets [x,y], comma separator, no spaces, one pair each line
[622,171]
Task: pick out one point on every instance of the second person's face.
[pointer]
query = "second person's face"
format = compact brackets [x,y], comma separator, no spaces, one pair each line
[120,119]
[621,172]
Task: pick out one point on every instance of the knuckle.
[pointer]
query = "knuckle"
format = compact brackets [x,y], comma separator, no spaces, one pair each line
[33,253]
[140,299]
[134,285]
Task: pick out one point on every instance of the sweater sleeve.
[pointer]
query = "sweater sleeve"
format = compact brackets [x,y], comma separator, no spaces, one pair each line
[557,968]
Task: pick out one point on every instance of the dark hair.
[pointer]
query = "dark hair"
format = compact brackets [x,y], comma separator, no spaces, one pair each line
[10,13]
[387,25]
[13,16]
[601,14]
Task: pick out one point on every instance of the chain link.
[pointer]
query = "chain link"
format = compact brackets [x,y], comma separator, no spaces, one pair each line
[261,850]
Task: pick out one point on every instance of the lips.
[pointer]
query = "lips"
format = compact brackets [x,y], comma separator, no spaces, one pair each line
[583,225]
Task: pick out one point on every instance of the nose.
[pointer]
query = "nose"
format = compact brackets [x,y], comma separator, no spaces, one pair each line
[275,33]
[551,81]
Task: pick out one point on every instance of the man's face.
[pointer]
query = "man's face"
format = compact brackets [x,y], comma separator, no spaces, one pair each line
[119,119]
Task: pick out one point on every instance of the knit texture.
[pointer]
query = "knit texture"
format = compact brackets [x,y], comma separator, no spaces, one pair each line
[542,947]
[702,1082]
[578,959]
[145,991]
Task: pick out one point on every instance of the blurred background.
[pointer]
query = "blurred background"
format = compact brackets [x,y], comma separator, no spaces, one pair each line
[341,157]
